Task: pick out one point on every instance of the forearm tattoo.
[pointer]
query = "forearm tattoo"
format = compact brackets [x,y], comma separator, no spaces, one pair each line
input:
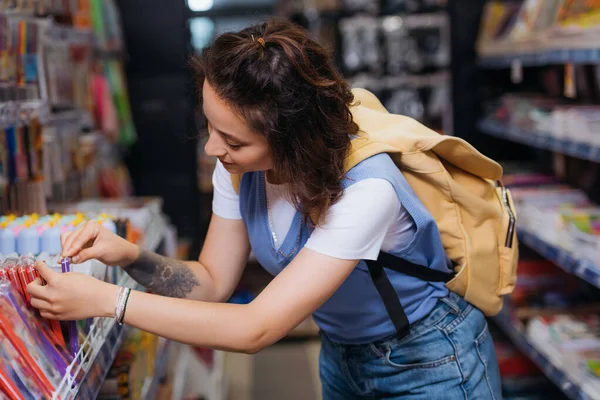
[162,275]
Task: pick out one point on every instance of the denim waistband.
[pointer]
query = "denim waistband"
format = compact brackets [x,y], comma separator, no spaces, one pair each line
[453,303]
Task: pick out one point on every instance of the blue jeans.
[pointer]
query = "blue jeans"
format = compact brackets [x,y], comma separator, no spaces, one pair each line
[447,355]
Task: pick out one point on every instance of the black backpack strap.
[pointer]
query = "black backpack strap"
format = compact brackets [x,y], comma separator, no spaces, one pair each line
[417,271]
[390,297]
[386,289]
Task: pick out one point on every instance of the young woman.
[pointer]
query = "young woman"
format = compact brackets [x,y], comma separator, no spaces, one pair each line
[279,113]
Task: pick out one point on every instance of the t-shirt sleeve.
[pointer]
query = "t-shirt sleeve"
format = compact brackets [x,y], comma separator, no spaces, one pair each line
[226,201]
[356,226]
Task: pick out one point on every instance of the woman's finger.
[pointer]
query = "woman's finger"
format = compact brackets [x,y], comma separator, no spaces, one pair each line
[47,314]
[37,290]
[89,232]
[40,304]
[63,238]
[86,254]
[46,273]
[69,239]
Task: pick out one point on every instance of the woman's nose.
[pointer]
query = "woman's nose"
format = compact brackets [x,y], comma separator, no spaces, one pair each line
[213,148]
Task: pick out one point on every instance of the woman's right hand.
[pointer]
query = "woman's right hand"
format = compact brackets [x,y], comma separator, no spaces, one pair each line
[92,240]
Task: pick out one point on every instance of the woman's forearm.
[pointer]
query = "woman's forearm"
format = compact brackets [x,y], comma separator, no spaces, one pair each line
[230,327]
[173,278]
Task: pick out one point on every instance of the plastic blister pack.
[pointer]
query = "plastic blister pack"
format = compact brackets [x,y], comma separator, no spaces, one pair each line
[25,336]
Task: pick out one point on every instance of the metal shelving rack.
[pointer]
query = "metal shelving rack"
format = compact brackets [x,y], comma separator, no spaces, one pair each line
[85,376]
[515,56]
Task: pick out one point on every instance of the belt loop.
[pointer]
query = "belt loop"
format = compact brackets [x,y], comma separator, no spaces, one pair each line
[448,300]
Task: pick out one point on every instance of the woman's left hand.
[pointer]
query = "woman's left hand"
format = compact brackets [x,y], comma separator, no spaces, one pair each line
[71,296]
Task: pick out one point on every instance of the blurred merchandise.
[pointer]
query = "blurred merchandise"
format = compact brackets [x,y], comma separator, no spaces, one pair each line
[64,106]
[138,369]
[572,341]
[416,42]
[537,25]
[425,98]
[145,223]
[539,115]
[543,289]
[41,233]
[412,6]
[521,378]
[369,6]
[79,352]
[33,358]
[361,50]
[561,216]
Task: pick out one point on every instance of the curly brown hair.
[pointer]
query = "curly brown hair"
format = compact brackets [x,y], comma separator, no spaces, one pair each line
[285,86]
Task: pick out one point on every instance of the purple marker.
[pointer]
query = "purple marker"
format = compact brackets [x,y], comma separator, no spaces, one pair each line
[65,264]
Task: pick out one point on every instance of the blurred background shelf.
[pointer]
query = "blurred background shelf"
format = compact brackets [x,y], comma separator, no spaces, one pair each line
[540,140]
[584,269]
[542,57]
[556,373]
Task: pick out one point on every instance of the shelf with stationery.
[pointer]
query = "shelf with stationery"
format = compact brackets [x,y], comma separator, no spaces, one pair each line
[534,57]
[582,268]
[104,340]
[564,378]
[540,140]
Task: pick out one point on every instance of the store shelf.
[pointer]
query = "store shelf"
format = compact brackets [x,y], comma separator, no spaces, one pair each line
[560,377]
[540,140]
[584,269]
[86,374]
[543,57]
[151,387]
[94,358]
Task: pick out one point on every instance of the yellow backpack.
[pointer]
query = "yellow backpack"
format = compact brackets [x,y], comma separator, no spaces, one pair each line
[461,189]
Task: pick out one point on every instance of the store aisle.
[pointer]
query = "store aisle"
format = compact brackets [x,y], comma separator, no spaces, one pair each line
[288,370]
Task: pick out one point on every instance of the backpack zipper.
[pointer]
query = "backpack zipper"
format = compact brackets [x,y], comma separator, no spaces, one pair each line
[512,219]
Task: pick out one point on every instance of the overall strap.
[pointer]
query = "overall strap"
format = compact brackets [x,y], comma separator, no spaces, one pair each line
[386,290]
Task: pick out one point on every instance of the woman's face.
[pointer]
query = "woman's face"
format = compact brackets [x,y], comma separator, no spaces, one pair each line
[230,138]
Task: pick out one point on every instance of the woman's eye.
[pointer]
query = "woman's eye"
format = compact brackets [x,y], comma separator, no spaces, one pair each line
[234,146]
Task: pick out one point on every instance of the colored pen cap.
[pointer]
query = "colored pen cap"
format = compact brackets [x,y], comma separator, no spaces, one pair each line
[65,264]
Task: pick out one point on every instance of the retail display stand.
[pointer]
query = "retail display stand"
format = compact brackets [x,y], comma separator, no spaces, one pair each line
[565,34]
[103,341]
[64,109]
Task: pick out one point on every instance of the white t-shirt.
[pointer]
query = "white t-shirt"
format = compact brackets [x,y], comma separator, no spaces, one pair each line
[368,218]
